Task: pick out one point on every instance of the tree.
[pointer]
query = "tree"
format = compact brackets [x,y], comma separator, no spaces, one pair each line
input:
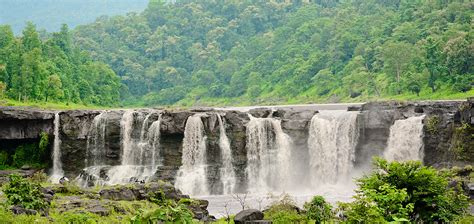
[396,57]
[3,88]
[30,38]
[54,89]
[434,62]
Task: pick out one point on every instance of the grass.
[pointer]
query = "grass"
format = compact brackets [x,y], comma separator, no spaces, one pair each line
[308,97]
[48,105]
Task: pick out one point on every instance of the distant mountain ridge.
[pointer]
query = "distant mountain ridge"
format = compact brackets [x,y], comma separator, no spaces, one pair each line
[50,14]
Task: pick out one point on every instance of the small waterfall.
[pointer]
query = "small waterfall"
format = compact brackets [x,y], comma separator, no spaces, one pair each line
[268,155]
[333,136]
[227,171]
[96,140]
[192,175]
[126,128]
[406,140]
[57,165]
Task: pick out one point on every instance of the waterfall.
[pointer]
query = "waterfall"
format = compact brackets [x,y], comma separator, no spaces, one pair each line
[227,170]
[139,158]
[96,140]
[57,166]
[126,128]
[268,155]
[333,136]
[406,140]
[192,175]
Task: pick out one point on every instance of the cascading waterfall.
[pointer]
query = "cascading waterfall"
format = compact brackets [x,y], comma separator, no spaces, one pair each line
[406,140]
[268,155]
[192,175]
[139,159]
[333,137]
[57,165]
[227,170]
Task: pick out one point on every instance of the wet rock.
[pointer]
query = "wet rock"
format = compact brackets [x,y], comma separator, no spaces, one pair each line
[120,193]
[18,210]
[248,215]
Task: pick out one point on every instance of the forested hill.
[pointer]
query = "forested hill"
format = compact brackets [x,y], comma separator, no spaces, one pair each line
[51,14]
[194,52]
[234,52]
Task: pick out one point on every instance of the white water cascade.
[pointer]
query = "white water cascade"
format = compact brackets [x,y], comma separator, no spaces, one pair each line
[406,140]
[333,136]
[227,170]
[139,159]
[192,175]
[268,156]
[57,172]
[96,140]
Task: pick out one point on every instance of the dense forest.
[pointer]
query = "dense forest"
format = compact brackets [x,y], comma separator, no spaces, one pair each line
[258,52]
[32,69]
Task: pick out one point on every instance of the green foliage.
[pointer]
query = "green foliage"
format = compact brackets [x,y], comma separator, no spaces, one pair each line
[35,69]
[432,124]
[3,158]
[405,191]
[284,210]
[20,191]
[168,211]
[43,143]
[463,142]
[249,52]
[318,210]
[75,217]
[26,155]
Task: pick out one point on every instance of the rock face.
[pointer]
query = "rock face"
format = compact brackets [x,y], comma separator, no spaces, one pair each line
[447,130]
[441,122]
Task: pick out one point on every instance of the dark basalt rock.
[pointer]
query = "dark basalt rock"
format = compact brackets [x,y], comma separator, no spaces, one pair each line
[248,215]
[139,192]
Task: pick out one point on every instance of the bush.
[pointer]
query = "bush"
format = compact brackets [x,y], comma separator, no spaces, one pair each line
[284,210]
[168,211]
[20,191]
[318,210]
[405,191]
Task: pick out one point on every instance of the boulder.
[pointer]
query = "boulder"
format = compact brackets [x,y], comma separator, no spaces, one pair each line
[248,215]
[18,210]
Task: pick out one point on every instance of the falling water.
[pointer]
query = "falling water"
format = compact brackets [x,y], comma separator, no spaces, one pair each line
[227,170]
[96,140]
[268,155]
[333,136]
[139,159]
[57,166]
[405,141]
[192,175]
[126,128]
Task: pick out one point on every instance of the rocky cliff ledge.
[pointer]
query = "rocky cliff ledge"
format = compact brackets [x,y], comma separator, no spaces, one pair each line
[448,129]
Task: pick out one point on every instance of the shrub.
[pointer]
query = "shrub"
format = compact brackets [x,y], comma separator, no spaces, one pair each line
[3,158]
[318,210]
[168,211]
[43,143]
[20,191]
[405,191]
[284,210]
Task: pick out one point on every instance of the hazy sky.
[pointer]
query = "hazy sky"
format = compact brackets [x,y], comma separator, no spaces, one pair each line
[50,14]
